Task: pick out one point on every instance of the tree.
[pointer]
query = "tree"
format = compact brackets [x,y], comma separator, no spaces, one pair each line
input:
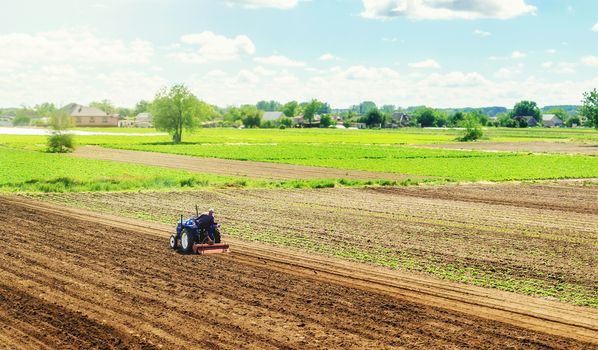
[45,109]
[310,110]
[251,116]
[286,122]
[290,109]
[366,106]
[456,118]
[177,108]
[60,141]
[374,118]
[105,105]
[325,121]
[571,121]
[473,130]
[526,108]
[388,109]
[142,107]
[425,117]
[324,108]
[23,117]
[560,113]
[268,106]
[589,107]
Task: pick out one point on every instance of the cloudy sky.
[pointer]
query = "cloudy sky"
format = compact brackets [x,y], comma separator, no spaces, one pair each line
[442,53]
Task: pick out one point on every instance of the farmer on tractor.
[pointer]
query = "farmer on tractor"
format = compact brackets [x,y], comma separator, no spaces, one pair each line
[205,222]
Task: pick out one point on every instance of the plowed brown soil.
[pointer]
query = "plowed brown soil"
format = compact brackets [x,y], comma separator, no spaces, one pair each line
[531,238]
[98,282]
[529,146]
[232,167]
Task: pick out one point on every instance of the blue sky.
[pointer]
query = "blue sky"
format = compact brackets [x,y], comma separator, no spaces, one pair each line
[442,53]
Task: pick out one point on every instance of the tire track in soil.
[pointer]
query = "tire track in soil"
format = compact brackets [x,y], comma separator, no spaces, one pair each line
[126,278]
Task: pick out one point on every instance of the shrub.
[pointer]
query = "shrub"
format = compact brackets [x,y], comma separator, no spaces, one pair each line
[473,131]
[60,143]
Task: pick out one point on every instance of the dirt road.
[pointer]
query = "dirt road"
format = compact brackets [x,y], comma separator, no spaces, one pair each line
[529,146]
[76,280]
[232,167]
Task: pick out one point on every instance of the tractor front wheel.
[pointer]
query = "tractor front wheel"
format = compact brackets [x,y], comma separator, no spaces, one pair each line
[187,241]
[172,242]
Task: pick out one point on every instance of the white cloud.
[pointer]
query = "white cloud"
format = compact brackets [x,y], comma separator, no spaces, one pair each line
[518,54]
[328,57]
[481,33]
[75,46]
[429,63]
[253,4]
[446,9]
[213,47]
[551,51]
[565,68]
[547,64]
[509,72]
[456,79]
[278,60]
[344,86]
[595,27]
[264,71]
[590,60]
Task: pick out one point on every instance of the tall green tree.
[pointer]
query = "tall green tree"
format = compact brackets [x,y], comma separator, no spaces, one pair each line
[366,106]
[268,106]
[388,109]
[425,117]
[105,105]
[589,107]
[526,108]
[290,109]
[177,108]
[44,109]
[251,116]
[142,107]
[310,110]
[374,118]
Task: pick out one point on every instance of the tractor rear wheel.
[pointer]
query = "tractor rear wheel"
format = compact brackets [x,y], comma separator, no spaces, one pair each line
[187,241]
[172,242]
[217,236]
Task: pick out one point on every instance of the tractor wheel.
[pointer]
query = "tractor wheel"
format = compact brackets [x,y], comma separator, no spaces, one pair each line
[187,241]
[172,242]
[216,236]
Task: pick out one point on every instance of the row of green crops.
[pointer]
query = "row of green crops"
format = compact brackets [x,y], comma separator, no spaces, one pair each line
[31,171]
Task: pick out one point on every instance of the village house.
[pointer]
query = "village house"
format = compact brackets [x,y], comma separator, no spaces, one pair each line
[91,116]
[552,121]
[398,120]
[271,116]
[530,120]
[144,120]
[6,119]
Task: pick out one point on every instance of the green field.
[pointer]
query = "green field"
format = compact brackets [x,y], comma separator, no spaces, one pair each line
[371,150]
[32,171]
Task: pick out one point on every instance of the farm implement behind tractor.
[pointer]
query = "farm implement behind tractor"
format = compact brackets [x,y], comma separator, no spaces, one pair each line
[191,238]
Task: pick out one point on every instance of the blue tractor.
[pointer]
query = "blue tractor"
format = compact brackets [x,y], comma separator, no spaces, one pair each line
[190,238]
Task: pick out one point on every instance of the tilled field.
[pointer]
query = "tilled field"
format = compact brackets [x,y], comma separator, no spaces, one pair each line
[71,281]
[232,167]
[537,239]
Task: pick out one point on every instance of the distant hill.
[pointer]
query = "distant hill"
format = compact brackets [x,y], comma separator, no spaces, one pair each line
[570,109]
[491,111]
